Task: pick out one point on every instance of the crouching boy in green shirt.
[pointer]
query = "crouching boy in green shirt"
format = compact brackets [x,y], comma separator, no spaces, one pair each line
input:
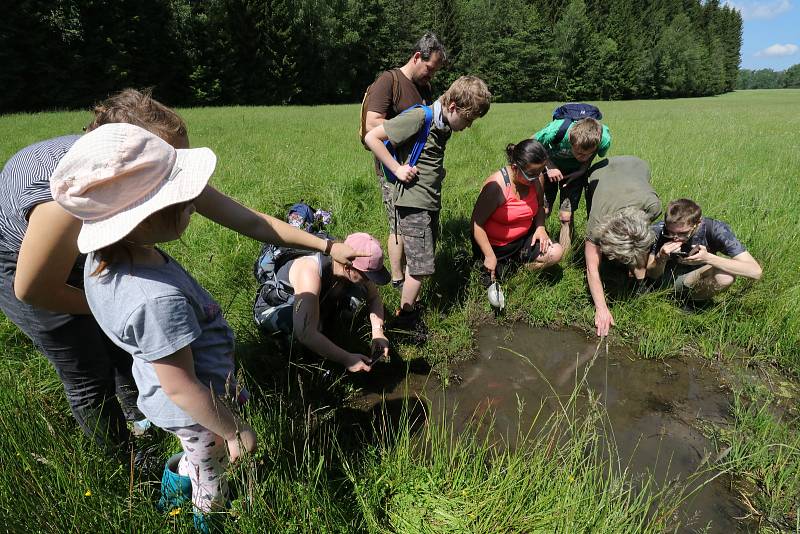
[569,162]
[418,189]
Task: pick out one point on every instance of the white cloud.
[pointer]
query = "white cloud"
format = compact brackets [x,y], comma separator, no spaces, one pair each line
[760,10]
[777,50]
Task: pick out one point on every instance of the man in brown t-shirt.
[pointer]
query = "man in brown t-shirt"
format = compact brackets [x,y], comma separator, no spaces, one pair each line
[412,82]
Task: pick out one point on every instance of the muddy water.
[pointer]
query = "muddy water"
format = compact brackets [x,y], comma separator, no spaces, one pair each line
[654,408]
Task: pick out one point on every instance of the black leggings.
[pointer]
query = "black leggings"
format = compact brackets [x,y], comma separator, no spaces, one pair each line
[518,252]
[92,369]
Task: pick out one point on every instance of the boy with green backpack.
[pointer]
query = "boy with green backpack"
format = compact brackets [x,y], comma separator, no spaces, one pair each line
[572,140]
[418,184]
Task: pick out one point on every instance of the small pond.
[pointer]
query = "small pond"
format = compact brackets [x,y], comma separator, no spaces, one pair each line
[654,408]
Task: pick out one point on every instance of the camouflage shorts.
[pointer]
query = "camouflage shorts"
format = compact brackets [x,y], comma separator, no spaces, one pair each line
[387,193]
[420,231]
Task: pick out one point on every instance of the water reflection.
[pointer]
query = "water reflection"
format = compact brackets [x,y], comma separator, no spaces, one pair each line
[654,408]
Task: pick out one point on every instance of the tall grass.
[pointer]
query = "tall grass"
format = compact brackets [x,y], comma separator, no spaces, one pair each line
[763,447]
[736,154]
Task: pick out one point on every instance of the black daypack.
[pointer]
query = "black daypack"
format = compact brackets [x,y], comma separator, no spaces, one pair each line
[272,308]
[573,112]
[274,297]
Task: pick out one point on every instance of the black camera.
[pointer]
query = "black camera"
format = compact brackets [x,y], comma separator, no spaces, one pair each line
[685,251]
[377,354]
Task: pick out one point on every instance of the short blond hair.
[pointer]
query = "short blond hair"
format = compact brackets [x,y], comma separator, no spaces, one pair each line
[625,237]
[471,96]
[586,134]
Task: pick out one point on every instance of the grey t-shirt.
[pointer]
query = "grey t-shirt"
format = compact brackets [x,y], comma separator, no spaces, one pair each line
[151,312]
[617,183]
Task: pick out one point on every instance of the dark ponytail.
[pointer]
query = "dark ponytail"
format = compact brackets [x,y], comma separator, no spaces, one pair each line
[510,152]
[526,152]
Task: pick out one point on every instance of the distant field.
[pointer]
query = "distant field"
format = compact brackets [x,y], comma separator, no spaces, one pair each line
[738,155]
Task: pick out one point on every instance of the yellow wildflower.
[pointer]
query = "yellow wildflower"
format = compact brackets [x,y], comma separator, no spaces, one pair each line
[88,493]
[175,511]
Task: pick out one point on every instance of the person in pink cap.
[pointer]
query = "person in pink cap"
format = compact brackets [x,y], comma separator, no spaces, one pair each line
[317,279]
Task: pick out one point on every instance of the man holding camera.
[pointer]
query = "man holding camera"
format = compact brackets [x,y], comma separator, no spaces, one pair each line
[685,253]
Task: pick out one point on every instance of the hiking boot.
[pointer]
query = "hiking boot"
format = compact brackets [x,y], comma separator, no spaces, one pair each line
[175,489]
[147,462]
[410,326]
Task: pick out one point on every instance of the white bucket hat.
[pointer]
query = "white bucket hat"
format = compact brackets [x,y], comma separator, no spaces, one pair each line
[116,176]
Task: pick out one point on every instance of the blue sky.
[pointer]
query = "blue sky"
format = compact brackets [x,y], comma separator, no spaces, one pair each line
[771,33]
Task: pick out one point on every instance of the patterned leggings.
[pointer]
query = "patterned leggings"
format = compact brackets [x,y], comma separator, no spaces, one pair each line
[204,461]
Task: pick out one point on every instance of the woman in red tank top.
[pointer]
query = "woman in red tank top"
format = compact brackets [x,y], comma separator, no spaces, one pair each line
[508,217]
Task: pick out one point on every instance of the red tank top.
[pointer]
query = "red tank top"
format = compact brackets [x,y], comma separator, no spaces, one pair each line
[514,217]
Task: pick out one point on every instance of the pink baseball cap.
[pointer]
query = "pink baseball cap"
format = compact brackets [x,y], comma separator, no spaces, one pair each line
[372,265]
[117,175]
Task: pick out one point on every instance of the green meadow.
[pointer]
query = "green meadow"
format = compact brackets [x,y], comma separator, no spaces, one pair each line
[737,155]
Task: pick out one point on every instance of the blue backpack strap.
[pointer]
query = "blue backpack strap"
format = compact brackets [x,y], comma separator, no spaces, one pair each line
[562,130]
[422,136]
[419,143]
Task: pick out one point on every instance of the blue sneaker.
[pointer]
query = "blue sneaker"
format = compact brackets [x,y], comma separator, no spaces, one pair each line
[175,489]
[139,428]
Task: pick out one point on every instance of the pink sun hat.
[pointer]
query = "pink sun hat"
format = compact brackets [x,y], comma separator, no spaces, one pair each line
[372,265]
[116,176]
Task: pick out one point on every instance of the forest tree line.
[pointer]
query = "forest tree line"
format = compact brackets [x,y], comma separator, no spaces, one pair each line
[71,53]
[769,79]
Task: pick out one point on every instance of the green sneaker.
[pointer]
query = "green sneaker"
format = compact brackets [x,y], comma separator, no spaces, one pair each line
[209,523]
[175,489]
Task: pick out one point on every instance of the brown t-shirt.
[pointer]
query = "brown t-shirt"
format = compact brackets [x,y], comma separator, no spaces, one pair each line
[381,99]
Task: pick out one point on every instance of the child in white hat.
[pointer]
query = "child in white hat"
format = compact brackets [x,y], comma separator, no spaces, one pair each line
[132,190]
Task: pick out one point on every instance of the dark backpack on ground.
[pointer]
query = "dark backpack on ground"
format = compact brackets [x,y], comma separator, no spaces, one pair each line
[419,143]
[274,297]
[573,112]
